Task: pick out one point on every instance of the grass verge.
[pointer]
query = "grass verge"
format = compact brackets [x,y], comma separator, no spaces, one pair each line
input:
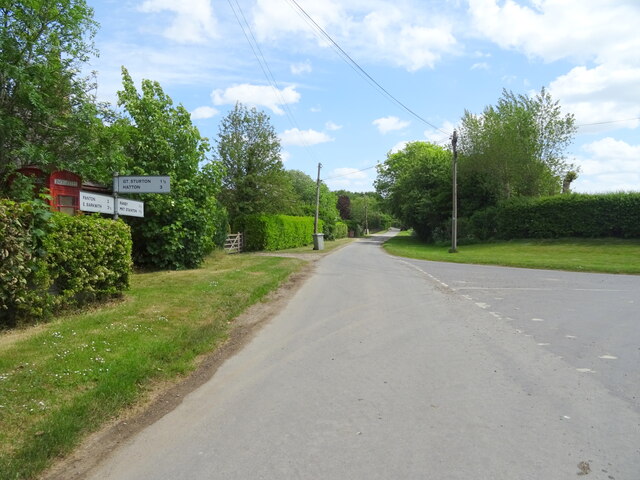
[63,380]
[328,246]
[607,255]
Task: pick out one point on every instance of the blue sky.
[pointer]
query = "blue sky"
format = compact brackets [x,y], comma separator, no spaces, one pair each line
[437,57]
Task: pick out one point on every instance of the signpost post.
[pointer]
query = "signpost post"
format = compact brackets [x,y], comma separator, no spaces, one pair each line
[116,205]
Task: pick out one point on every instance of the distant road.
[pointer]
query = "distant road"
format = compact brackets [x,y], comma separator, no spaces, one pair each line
[387,368]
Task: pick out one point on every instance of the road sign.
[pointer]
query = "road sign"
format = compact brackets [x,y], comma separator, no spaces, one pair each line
[92,202]
[131,208]
[141,184]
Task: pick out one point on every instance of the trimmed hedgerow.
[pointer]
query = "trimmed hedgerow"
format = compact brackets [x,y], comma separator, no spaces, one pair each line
[575,215]
[340,230]
[276,232]
[23,272]
[55,261]
[88,258]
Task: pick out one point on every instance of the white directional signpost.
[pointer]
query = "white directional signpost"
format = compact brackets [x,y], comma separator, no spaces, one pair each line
[115,205]
[92,202]
[131,208]
[141,184]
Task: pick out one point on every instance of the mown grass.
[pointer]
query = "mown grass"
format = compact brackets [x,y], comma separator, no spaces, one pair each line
[607,255]
[63,380]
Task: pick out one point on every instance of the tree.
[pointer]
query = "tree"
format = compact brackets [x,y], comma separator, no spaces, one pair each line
[366,212]
[304,189]
[514,149]
[47,115]
[254,178]
[344,207]
[415,184]
[179,228]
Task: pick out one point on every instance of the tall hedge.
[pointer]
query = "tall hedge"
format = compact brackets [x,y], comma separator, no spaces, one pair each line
[276,232]
[52,262]
[88,258]
[575,215]
[22,273]
[340,230]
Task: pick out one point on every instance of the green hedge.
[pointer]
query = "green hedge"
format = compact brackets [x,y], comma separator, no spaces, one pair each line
[276,232]
[51,262]
[22,271]
[340,230]
[88,258]
[574,215]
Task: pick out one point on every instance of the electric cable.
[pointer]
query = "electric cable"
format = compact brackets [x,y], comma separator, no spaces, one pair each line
[264,66]
[347,58]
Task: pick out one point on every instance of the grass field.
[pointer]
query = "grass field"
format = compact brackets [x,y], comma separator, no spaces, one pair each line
[583,255]
[62,380]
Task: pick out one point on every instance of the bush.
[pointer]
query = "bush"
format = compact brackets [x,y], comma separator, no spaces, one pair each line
[88,259]
[23,274]
[50,262]
[354,227]
[179,229]
[340,230]
[575,215]
[276,232]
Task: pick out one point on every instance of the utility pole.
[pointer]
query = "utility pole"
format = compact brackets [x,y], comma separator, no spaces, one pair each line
[318,238]
[454,216]
[366,215]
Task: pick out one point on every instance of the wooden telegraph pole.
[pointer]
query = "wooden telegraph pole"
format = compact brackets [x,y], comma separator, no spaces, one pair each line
[318,238]
[454,216]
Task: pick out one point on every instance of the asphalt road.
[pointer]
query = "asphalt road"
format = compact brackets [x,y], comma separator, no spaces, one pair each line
[387,368]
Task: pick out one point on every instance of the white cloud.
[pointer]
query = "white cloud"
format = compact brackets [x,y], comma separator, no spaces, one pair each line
[552,30]
[194,21]
[441,136]
[303,138]
[608,165]
[408,35]
[606,92]
[256,96]
[598,31]
[390,124]
[480,66]
[399,146]
[332,127]
[301,68]
[351,179]
[285,156]
[203,112]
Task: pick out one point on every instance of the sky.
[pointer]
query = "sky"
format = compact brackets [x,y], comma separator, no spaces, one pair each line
[433,58]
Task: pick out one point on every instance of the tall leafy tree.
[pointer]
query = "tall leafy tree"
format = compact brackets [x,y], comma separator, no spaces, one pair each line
[415,184]
[344,207]
[179,228]
[254,178]
[366,211]
[47,114]
[515,148]
[304,189]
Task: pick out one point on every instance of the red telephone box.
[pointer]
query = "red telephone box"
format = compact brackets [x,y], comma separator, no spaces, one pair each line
[64,188]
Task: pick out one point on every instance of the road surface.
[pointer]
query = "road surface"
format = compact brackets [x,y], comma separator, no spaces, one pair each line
[386,368]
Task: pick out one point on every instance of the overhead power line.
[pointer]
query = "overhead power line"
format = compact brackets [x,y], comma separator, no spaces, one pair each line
[609,121]
[354,65]
[350,173]
[264,65]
